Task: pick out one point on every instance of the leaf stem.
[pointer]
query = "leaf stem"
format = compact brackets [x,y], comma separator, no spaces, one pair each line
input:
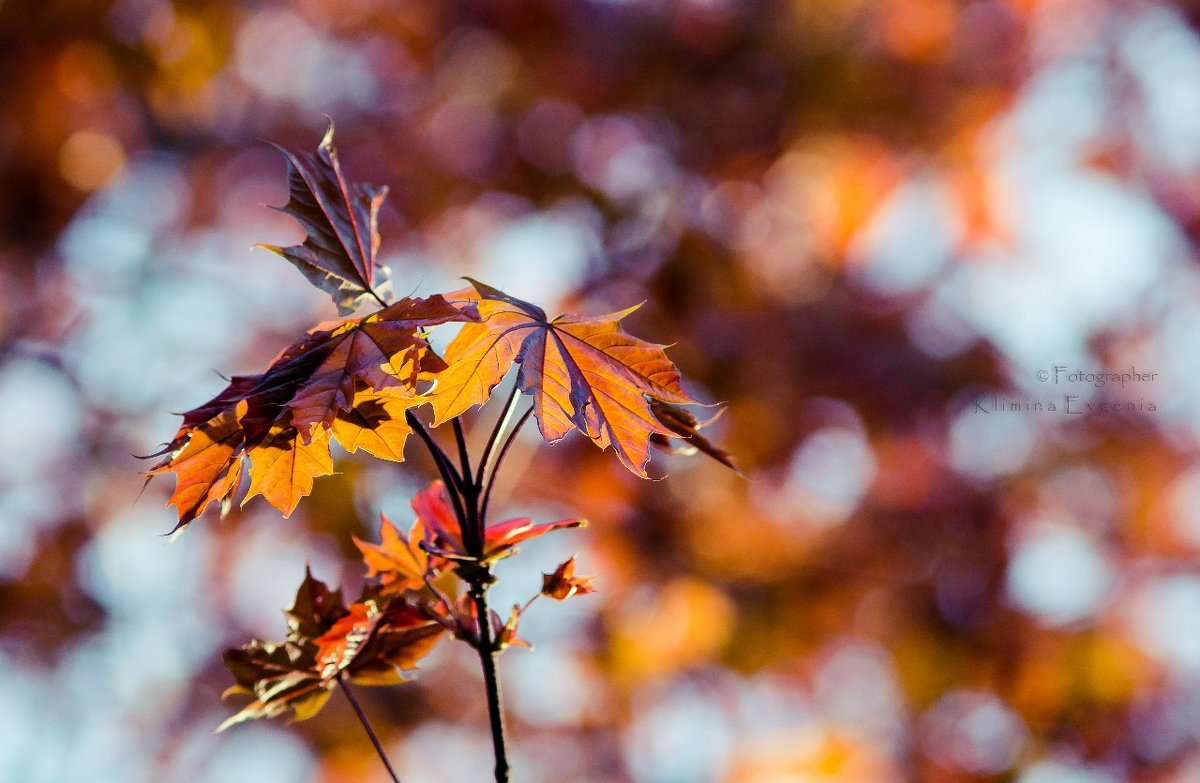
[473,534]
[464,458]
[508,442]
[510,406]
[445,468]
[439,454]
[377,298]
[362,717]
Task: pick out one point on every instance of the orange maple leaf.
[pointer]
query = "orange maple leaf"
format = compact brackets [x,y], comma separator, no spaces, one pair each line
[584,374]
[351,379]
[398,559]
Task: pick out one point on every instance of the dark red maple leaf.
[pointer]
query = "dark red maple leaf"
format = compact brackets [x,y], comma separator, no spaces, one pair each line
[339,254]
[443,535]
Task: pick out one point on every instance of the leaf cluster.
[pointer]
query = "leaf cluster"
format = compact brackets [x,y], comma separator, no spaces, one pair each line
[373,642]
[401,614]
[357,381]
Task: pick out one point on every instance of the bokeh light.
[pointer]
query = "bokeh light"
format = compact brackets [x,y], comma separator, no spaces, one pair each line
[937,258]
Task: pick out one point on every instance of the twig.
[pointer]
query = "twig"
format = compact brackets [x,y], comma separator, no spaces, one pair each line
[362,717]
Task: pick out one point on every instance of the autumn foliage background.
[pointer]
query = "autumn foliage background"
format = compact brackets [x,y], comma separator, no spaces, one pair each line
[855,220]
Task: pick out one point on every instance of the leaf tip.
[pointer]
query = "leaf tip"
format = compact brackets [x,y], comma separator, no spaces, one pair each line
[327,139]
[232,720]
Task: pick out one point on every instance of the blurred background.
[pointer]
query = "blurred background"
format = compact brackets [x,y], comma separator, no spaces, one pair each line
[898,238]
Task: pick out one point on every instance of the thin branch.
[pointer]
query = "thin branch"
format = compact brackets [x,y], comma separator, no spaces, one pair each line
[362,717]
[508,442]
[464,492]
[510,406]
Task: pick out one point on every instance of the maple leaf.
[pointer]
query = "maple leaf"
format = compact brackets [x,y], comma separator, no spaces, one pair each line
[283,467]
[280,677]
[506,635]
[686,426]
[375,424]
[284,676]
[371,643]
[351,379]
[341,220]
[562,584]
[584,374]
[207,464]
[443,536]
[314,608]
[402,635]
[398,561]
[374,645]
[338,646]
[386,350]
